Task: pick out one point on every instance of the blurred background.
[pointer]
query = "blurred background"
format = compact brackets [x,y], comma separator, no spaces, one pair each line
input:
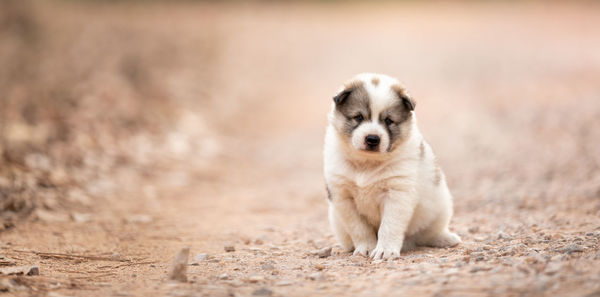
[218,109]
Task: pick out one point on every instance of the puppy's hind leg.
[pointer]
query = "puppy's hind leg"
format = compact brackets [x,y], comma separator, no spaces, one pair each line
[408,244]
[339,231]
[437,235]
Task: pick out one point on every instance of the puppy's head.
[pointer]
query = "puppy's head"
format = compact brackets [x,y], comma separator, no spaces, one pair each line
[373,113]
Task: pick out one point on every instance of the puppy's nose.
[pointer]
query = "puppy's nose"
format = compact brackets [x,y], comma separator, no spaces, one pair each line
[372,140]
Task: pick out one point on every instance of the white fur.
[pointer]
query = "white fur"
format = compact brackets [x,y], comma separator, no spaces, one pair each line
[384,202]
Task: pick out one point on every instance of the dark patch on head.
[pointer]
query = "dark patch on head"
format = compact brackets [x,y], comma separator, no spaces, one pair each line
[396,121]
[395,117]
[375,81]
[422,150]
[351,105]
[328,192]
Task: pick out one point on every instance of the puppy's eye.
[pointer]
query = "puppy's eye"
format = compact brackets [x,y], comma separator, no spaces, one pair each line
[358,118]
[388,121]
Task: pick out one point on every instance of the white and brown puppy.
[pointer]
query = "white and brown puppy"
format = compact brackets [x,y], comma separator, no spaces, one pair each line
[386,191]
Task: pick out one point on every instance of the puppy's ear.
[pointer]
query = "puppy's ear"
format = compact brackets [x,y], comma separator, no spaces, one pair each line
[408,102]
[341,96]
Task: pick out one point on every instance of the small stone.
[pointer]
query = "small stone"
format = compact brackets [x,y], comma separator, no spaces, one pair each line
[324,252]
[504,236]
[229,248]
[572,248]
[255,279]
[319,266]
[552,268]
[235,283]
[200,257]
[474,229]
[223,276]
[480,268]
[179,267]
[316,276]
[81,217]
[20,270]
[262,292]
[33,270]
[284,283]
[267,266]
[258,241]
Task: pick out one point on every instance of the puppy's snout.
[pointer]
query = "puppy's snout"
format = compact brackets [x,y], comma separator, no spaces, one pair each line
[372,140]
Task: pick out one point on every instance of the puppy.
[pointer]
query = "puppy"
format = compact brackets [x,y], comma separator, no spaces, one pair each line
[385,189]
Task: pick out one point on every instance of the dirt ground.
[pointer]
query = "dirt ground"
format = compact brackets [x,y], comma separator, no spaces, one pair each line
[508,95]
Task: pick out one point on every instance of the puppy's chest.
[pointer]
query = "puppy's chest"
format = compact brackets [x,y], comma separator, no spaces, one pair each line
[368,200]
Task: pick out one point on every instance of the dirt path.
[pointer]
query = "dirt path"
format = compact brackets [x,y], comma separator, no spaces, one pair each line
[508,98]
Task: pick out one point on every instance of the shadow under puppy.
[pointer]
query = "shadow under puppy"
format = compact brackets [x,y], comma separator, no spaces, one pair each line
[386,191]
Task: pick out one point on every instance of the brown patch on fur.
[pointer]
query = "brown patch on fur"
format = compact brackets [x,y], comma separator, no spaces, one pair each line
[398,89]
[422,150]
[375,81]
[437,179]
[353,85]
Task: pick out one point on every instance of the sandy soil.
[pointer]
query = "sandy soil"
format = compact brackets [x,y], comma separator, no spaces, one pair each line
[508,97]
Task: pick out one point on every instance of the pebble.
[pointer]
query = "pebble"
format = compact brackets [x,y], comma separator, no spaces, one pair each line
[572,248]
[235,283]
[224,276]
[179,267]
[552,268]
[504,236]
[319,266]
[262,292]
[34,270]
[324,252]
[595,234]
[20,270]
[284,283]
[479,268]
[474,229]
[229,248]
[255,279]
[479,238]
[200,257]
[81,217]
[316,276]
[267,266]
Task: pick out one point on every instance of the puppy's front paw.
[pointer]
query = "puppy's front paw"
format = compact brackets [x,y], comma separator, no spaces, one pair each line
[385,253]
[365,248]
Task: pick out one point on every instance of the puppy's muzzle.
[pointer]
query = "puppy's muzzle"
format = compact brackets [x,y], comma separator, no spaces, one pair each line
[372,142]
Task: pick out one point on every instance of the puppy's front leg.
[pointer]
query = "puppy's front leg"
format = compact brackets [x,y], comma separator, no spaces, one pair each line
[398,208]
[362,234]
